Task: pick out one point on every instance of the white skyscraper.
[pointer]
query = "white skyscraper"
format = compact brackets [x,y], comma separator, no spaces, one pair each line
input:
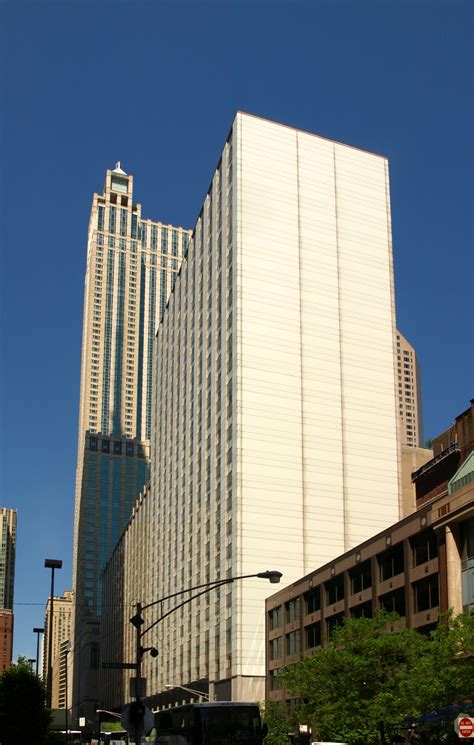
[275,440]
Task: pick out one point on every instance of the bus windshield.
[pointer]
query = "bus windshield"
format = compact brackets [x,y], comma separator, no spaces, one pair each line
[209,724]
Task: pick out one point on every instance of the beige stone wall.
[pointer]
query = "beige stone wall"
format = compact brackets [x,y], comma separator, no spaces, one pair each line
[62,628]
[412,459]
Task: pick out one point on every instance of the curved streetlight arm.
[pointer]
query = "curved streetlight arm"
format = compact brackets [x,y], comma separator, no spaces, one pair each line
[210,585]
[273,576]
[193,691]
[105,711]
[181,605]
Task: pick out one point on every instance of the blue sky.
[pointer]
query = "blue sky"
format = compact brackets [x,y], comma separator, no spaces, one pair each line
[156,85]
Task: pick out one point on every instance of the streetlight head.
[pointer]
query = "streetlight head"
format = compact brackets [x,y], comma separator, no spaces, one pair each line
[154,652]
[273,575]
[53,563]
[38,631]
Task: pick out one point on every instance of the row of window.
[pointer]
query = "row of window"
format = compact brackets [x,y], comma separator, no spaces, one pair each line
[424,547]
[425,597]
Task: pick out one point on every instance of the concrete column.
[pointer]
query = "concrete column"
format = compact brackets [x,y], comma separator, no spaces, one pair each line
[453,569]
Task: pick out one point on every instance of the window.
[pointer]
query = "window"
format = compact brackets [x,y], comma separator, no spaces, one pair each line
[335,590]
[313,600]
[293,642]
[276,648]
[394,602]
[292,610]
[391,562]
[313,635]
[274,684]
[275,617]
[119,184]
[424,547]
[364,610]
[123,225]
[334,622]
[426,593]
[361,577]
[100,218]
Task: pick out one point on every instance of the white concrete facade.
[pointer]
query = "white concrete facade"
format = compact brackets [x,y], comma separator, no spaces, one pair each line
[275,441]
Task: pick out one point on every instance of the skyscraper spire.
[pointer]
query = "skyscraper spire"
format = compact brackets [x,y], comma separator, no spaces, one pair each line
[118,169]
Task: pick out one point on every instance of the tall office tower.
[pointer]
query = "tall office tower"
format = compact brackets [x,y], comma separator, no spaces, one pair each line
[410,411]
[8,520]
[62,626]
[409,394]
[131,266]
[275,441]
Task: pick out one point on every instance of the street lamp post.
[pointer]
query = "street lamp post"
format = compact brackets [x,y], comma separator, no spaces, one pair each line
[37,631]
[201,694]
[66,653]
[31,661]
[137,621]
[51,564]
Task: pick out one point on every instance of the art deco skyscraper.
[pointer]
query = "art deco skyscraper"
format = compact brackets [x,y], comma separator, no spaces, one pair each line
[275,440]
[131,266]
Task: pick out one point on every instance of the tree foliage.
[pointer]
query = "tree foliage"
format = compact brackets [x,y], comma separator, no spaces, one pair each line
[274,713]
[362,686]
[22,705]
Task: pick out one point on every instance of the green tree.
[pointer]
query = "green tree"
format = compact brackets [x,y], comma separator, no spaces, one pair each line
[360,688]
[445,676]
[275,715]
[22,706]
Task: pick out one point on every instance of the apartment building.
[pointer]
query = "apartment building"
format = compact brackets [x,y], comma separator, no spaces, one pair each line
[409,394]
[63,607]
[275,436]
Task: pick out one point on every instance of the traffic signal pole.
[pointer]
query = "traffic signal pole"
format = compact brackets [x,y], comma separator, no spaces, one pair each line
[138,709]
[138,679]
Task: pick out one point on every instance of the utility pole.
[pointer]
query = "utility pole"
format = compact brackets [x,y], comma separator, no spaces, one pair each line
[137,707]
[138,679]
[51,564]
